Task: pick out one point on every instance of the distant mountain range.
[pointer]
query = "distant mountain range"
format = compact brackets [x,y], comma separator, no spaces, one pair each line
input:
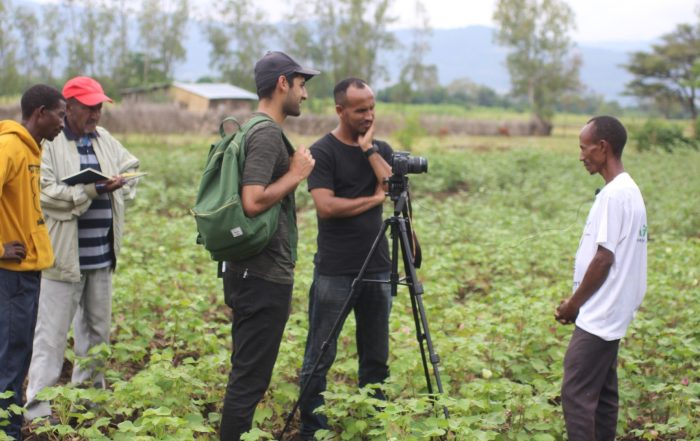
[468,52]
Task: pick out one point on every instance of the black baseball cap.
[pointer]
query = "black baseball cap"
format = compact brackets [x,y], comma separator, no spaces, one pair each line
[275,63]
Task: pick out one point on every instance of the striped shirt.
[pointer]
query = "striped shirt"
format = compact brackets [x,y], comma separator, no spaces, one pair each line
[94,226]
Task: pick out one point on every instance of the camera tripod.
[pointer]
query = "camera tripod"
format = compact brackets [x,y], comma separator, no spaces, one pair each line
[400,231]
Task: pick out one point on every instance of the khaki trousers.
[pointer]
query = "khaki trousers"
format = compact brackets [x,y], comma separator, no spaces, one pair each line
[88,305]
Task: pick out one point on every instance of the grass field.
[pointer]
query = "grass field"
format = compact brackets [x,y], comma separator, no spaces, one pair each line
[499,221]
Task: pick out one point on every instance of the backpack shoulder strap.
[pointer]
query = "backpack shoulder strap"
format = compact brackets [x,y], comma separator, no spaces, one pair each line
[232,119]
[244,128]
[288,144]
[254,121]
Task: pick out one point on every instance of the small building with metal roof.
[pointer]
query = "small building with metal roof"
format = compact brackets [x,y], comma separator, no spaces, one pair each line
[218,97]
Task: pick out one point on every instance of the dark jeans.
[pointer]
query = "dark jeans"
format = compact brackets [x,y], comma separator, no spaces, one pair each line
[589,390]
[19,303]
[260,311]
[371,305]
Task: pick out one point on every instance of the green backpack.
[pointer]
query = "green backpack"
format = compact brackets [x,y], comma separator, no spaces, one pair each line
[224,229]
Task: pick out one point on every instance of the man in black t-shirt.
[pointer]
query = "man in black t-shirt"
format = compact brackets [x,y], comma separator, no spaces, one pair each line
[348,188]
[259,289]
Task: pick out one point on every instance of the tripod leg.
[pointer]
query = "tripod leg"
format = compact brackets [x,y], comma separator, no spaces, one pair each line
[420,336]
[394,276]
[421,320]
[416,289]
[337,325]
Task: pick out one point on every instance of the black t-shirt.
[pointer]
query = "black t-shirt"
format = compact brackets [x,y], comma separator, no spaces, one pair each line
[267,159]
[344,243]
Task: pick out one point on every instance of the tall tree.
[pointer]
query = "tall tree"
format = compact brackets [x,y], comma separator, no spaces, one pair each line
[301,43]
[345,37]
[81,32]
[670,72]
[104,44]
[540,63]
[172,49]
[417,76]
[26,24]
[9,77]
[150,32]
[162,28]
[123,73]
[51,29]
[238,37]
[308,42]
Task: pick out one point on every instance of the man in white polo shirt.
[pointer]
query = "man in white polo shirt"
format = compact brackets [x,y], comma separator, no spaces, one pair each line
[609,285]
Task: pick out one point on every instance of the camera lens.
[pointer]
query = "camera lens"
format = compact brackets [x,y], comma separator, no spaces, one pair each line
[404,163]
[417,164]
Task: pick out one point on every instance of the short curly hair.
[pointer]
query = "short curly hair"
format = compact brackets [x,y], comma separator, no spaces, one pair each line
[37,96]
[610,129]
[341,89]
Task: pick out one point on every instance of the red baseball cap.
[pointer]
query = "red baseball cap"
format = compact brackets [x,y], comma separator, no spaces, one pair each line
[86,90]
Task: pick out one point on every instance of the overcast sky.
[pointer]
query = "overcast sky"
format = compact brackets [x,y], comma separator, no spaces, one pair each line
[597,20]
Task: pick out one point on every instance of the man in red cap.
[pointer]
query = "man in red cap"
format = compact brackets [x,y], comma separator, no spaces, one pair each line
[85,223]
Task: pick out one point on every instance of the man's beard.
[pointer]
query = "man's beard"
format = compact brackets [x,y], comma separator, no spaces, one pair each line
[291,107]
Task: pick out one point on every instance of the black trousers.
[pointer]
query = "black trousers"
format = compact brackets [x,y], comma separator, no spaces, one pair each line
[260,312]
[19,303]
[589,390]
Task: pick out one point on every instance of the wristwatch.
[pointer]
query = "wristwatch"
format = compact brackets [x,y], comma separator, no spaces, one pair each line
[372,150]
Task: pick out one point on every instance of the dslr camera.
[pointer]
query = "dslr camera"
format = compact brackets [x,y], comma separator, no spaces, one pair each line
[403,163]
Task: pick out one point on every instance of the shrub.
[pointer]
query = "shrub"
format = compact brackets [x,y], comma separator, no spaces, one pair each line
[659,134]
[411,131]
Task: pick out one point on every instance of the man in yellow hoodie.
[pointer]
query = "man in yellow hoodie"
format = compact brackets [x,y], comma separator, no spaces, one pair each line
[26,247]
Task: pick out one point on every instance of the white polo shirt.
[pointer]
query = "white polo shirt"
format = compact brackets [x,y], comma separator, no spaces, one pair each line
[618,222]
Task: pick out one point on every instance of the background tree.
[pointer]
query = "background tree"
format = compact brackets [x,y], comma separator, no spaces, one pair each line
[238,37]
[52,25]
[28,57]
[417,77]
[588,102]
[363,33]
[162,28]
[124,72]
[467,92]
[540,65]
[150,33]
[174,34]
[303,44]
[343,38]
[105,44]
[9,77]
[670,72]
[80,48]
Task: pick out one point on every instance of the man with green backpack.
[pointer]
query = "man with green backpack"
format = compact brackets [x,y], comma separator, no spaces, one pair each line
[259,288]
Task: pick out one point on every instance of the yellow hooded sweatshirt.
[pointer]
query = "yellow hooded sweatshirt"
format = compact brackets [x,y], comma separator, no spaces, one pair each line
[20,210]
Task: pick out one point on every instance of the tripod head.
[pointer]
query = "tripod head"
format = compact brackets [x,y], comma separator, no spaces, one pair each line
[398,191]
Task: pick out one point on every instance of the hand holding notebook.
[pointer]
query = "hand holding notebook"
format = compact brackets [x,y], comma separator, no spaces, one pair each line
[90,175]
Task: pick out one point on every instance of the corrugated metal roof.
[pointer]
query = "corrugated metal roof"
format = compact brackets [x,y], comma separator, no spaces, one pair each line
[214,91]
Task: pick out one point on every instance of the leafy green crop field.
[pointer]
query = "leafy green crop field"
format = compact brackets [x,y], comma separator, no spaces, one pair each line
[499,221]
